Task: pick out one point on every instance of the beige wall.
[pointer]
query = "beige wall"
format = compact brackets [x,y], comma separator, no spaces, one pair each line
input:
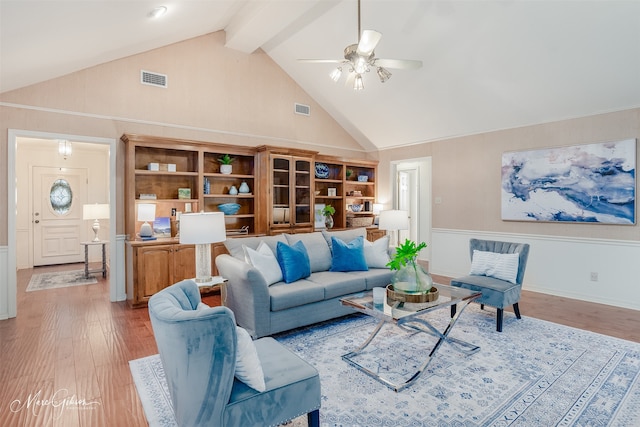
[466,173]
[214,94]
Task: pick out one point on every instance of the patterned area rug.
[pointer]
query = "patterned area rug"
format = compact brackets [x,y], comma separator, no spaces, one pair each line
[61,279]
[535,373]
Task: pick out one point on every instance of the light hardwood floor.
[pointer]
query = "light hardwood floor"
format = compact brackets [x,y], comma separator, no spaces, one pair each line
[73,341]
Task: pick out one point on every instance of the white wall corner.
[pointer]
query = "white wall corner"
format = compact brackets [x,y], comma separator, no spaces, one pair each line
[119,273]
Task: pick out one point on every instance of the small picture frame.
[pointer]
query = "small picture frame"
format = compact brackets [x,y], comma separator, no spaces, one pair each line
[162,227]
[184,193]
[331,192]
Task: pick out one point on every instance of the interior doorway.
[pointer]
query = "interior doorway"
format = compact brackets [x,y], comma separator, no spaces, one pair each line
[412,193]
[116,292]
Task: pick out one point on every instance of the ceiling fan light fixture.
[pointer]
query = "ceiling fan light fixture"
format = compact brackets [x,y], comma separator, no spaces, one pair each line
[335,74]
[383,74]
[358,84]
[360,65]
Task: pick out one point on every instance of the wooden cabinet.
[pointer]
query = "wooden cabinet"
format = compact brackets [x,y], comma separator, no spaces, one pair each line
[360,190]
[288,203]
[152,266]
[329,188]
[179,176]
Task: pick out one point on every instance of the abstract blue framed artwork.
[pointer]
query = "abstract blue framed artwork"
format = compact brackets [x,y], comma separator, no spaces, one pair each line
[594,183]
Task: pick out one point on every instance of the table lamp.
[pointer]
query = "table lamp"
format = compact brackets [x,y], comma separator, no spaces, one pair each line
[377,208]
[95,212]
[202,229]
[394,220]
[146,213]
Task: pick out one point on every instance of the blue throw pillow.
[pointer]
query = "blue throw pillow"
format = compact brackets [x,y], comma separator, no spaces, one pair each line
[348,256]
[294,261]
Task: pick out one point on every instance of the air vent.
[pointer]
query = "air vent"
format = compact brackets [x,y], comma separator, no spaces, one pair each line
[153,79]
[305,110]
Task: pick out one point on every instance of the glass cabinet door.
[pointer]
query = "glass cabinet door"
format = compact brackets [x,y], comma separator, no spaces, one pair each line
[303,211]
[281,170]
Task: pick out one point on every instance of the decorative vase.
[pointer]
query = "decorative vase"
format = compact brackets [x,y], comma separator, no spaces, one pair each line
[226,169]
[328,221]
[233,190]
[412,279]
[244,188]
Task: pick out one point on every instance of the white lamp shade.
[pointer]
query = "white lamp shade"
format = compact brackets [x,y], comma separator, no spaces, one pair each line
[377,208]
[146,212]
[95,211]
[202,228]
[393,220]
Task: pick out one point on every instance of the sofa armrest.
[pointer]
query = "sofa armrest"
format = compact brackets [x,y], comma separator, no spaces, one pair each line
[247,295]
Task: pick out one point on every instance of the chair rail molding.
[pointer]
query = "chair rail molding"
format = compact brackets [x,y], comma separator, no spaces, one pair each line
[557,265]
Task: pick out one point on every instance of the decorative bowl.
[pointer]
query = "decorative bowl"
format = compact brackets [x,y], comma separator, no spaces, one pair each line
[363,178]
[229,208]
[356,207]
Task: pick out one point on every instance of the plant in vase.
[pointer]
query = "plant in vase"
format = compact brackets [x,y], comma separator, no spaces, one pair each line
[225,164]
[328,211]
[409,276]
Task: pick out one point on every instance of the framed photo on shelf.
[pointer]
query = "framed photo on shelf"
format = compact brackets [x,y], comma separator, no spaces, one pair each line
[331,192]
[319,218]
[162,227]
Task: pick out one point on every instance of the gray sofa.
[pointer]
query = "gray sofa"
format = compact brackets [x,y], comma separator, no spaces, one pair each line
[264,309]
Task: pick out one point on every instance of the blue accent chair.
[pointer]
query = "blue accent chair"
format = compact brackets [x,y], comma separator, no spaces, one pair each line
[197,346]
[495,292]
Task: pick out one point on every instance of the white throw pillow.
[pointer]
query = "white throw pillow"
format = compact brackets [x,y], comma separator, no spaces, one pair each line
[377,253]
[248,366]
[265,262]
[500,266]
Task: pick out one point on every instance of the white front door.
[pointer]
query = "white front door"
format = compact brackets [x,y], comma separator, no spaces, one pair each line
[58,196]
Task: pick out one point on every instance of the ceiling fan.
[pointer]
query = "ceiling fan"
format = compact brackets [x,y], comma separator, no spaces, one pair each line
[360,58]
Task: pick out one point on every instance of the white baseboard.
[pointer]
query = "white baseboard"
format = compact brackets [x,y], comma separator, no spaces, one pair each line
[560,266]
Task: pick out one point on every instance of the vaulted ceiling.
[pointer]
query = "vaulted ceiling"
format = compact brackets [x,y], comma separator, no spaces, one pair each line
[488,64]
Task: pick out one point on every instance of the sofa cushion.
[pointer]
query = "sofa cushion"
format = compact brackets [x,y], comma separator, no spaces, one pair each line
[317,248]
[344,235]
[248,367]
[337,284]
[348,256]
[234,244]
[493,264]
[293,260]
[265,262]
[374,277]
[287,295]
[377,253]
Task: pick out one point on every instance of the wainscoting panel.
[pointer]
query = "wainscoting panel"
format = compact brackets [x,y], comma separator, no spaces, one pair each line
[561,266]
[4,283]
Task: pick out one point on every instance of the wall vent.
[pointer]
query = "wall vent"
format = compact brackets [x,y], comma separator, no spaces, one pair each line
[153,79]
[305,110]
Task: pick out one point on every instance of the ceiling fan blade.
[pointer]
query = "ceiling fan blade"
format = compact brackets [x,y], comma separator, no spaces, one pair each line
[334,61]
[399,64]
[368,42]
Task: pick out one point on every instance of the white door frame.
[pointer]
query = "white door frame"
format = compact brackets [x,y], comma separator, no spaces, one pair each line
[424,208]
[12,138]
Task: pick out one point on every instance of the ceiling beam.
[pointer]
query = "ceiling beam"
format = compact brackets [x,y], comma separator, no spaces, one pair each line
[260,21]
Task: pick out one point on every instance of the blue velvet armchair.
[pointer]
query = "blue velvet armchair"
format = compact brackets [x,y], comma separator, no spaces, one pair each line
[496,292]
[197,346]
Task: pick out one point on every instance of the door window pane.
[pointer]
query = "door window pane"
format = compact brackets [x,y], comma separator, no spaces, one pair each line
[61,196]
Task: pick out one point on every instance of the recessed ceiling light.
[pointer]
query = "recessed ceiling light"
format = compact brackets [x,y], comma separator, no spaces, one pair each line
[158,12]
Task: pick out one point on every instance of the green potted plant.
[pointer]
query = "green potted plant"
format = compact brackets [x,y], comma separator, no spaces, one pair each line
[225,164]
[409,277]
[328,212]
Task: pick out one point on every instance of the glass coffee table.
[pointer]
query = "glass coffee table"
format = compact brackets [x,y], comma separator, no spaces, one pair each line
[409,316]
